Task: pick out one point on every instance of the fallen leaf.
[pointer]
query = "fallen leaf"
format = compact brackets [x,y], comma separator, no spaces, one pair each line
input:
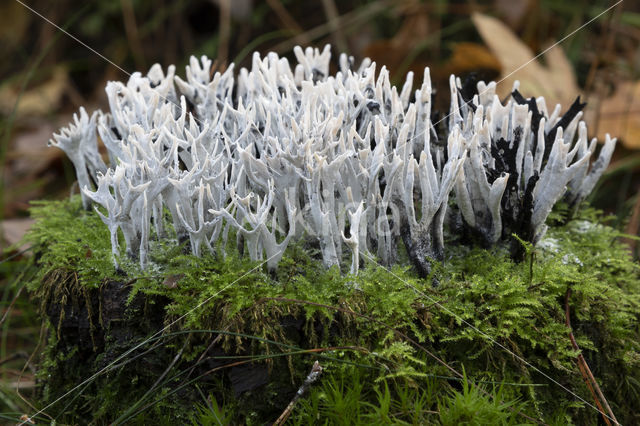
[467,57]
[40,100]
[12,231]
[556,82]
[171,281]
[618,115]
[29,154]
[28,167]
[514,12]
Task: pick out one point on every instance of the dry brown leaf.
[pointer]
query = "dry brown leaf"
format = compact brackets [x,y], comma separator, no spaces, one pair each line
[468,57]
[28,167]
[172,281]
[40,100]
[556,82]
[514,12]
[12,231]
[619,115]
[29,154]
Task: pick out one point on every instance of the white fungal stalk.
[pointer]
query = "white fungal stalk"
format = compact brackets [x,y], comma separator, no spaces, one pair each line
[521,161]
[280,153]
[79,142]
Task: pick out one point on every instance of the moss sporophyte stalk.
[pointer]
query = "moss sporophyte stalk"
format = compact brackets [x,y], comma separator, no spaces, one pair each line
[358,200]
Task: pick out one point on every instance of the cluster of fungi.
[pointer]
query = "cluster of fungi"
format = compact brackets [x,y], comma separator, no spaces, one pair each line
[353,164]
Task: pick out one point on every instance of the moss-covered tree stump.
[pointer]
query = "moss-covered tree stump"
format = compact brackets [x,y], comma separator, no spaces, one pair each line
[206,339]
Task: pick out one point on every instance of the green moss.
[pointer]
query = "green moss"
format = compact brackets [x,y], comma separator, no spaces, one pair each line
[370,332]
[65,237]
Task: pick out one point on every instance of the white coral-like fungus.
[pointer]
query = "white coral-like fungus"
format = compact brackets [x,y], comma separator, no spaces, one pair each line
[280,153]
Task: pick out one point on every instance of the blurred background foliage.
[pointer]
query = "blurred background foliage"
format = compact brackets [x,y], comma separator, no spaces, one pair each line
[47,75]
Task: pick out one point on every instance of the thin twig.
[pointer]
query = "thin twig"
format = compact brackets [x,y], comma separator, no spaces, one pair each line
[592,384]
[131,31]
[289,22]
[43,332]
[6,313]
[331,12]
[225,31]
[313,376]
[14,255]
[20,354]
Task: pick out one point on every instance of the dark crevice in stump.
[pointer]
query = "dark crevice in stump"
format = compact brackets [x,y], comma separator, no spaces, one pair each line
[93,327]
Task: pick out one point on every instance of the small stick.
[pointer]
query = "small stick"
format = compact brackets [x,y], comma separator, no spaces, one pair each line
[316,370]
[6,313]
[586,371]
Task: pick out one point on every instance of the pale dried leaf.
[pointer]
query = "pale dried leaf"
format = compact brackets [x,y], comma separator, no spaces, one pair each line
[12,231]
[510,51]
[619,115]
[562,75]
[172,281]
[514,12]
[30,154]
[40,100]
[468,57]
[556,82]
